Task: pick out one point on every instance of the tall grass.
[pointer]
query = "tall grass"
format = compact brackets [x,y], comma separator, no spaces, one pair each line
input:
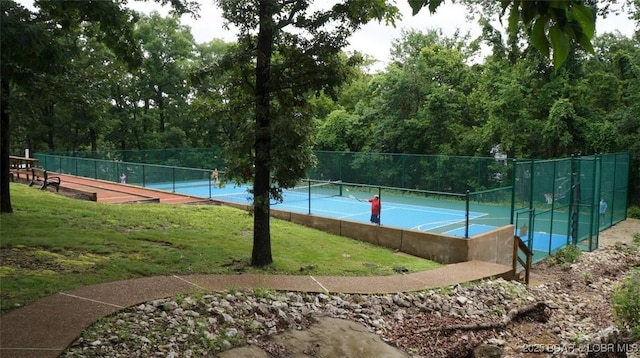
[53,243]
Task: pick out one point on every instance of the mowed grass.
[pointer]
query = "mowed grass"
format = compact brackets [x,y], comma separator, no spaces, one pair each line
[51,243]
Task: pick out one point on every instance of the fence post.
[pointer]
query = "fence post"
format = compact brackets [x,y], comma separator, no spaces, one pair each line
[513,191]
[553,200]
[612,201]
[596,191]
[575,199]
[173,176]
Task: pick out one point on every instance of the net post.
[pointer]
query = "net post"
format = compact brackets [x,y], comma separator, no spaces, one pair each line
[466,213]
[380,200]
[309,198]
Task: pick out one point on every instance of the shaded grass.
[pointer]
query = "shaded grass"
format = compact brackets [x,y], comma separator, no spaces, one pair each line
[52,243]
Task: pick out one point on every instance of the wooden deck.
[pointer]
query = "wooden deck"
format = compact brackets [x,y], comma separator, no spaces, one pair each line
[110,192]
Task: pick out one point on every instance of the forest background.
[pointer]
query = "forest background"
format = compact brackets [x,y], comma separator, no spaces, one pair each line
[434,97]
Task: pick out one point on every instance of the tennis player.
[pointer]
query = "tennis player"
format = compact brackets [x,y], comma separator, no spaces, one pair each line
[375,209]
[214,176]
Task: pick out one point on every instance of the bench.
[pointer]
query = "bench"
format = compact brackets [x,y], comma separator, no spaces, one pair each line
[42,175]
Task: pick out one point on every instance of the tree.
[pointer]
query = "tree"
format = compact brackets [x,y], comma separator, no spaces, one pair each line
[208,94]
[549,24]
[421,96]
[30,48]
[341,131]
[293,52]
[168,48]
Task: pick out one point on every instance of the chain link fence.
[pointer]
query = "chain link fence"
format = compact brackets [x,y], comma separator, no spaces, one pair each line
[559,202]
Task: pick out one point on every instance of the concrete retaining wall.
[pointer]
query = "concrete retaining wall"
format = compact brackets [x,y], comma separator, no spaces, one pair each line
[495,246]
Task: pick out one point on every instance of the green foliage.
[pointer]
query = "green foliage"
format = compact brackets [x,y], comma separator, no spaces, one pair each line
[262,292]
[340,131]
[566,255]
[445,291]
[220,341]
[549,23]
[559,129]
[636,238]
[626,303]
[29,47]
[633,212]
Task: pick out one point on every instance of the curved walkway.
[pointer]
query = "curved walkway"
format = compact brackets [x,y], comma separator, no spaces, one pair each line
[48,326]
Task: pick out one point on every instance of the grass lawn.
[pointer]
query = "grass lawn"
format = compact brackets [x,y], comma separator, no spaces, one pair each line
[51,243]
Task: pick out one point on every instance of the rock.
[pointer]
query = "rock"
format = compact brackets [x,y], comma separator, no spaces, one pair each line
[487,351]
[328,337]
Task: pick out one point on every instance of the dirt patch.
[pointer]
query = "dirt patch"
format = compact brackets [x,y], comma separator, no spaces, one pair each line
[31,261]
[622,232]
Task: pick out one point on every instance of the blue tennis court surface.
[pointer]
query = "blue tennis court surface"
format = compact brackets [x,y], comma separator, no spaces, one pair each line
[332,202]
[474,229]
[543,241]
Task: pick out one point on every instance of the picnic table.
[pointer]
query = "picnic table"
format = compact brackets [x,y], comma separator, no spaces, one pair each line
[22,165]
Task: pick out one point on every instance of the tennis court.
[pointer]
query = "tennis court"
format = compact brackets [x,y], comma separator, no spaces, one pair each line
[329,200]
[467,196]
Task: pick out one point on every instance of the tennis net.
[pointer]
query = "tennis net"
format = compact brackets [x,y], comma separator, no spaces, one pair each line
[311,189]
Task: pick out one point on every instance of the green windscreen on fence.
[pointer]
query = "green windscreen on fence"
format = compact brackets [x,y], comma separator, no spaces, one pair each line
[569,201]
[454,174]
[442,173]
[550,202]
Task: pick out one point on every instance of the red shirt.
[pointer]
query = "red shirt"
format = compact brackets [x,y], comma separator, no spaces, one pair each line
[375,206]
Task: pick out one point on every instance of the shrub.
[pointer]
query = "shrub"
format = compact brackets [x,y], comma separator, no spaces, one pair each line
[633,212]
[626,303]
[566,255]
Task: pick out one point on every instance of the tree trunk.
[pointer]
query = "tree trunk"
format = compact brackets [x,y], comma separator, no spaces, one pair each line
[94,140]
[48,114]
[539,311]
[261,254]
[5,197]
